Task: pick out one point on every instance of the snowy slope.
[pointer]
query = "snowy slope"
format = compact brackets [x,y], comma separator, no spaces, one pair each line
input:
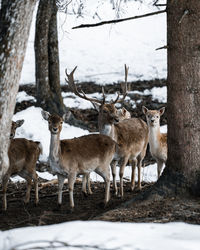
[101,52]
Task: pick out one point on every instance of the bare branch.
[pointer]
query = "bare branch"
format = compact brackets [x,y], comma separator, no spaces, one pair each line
[184,14]
[163,47]
[118,20]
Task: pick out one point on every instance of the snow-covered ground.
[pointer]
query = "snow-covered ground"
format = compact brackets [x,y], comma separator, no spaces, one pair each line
[105,235]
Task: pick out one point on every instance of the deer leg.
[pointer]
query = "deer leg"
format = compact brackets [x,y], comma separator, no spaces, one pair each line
[139,166]
[84,181]
[71,181]
[35,179]
[106,176]
[113,168]
[133,164]
[159,168]
[28,190]
[61,179]
[88,184]
[4,189]
[122,164]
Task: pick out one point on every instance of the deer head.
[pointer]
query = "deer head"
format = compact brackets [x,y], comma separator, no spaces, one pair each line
[14,126]
[153,116]
[55,121]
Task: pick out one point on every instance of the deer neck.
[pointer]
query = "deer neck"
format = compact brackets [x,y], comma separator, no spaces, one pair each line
[154,135]
[54,149]
[109,130]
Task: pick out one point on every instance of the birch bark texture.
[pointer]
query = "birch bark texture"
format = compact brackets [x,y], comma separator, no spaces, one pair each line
[15,21]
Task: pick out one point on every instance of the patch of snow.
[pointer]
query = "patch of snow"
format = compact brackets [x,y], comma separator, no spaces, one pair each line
[106,235]
[23,96]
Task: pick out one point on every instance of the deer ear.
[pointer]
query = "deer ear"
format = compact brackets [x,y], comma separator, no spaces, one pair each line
[96,106]
[162,110]
[124,111]
[144,110]
[66,116]
[45,114]
[19,123]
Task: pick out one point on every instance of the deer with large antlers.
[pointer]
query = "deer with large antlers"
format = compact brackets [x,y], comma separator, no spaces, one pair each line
[131,134]
[23,155]
[71,157]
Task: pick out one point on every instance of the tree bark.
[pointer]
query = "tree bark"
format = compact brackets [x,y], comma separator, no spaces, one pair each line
[47,58]
[15,21]
[183,86]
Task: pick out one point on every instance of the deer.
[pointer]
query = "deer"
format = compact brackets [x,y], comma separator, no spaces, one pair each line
[23,155]
[131,135]
[71,157]
[157,140]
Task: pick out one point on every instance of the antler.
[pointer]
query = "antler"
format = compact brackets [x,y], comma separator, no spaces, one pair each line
[123,87]
[73,87]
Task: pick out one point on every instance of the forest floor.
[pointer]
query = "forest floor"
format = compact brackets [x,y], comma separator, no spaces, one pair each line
[91,207]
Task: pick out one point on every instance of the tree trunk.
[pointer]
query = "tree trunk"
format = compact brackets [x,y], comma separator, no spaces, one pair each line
[183,85]
[47,58]
[15,21]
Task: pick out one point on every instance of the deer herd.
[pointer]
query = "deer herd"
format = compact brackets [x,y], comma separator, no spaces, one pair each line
[121,139]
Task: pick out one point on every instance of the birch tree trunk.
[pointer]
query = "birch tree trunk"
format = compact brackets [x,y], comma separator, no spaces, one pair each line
[15,21]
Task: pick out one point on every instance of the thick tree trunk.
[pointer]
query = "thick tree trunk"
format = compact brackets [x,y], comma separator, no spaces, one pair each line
[15,21]
[47,58]
[183,85]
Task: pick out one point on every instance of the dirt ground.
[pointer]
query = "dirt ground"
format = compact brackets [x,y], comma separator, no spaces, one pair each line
[91,207]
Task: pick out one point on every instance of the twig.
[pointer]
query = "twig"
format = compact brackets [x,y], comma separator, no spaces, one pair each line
[118,20]
[184,14]
[163,47]
[56,244]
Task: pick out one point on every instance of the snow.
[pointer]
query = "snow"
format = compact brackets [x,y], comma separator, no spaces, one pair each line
[106,235]
[23,96]
[101,52]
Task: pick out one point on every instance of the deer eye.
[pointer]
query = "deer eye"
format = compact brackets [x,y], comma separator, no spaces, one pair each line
[61,122]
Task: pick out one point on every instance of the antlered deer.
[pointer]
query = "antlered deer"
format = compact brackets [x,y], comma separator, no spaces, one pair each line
[82,155]
[131,134]
[23,155]
[157,140]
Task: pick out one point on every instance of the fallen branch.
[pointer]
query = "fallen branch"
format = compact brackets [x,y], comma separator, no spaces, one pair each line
[118,20]
[56,244]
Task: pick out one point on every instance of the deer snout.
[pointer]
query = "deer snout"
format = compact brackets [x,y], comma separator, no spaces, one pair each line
[11,136]
[54,130]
